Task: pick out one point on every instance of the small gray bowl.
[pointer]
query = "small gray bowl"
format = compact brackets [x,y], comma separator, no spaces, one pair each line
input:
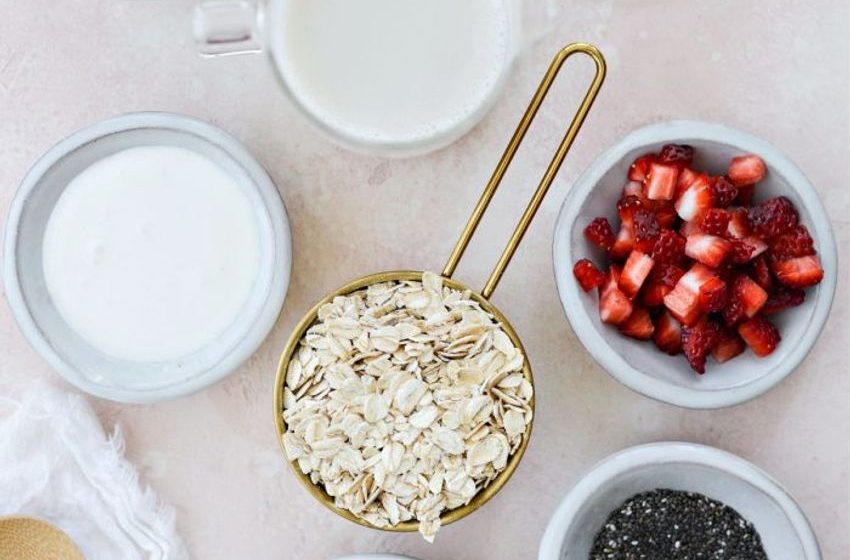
[41,323]
[640,365]
[784,530]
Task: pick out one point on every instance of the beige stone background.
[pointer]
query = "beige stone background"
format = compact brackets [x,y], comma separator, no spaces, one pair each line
[776,68]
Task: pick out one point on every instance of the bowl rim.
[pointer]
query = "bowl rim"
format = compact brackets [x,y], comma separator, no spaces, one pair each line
[672,452]
[262,322]
[449,516]
[596,344]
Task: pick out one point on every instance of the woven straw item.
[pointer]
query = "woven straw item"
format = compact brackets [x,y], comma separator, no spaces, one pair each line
[27,538]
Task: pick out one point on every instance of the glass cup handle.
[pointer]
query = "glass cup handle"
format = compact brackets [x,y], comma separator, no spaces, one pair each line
[228,27]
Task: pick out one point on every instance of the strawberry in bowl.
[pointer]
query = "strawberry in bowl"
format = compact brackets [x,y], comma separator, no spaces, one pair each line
[695,246]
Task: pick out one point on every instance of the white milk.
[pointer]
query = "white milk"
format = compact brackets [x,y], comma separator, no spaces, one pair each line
[151,253]
[392,71]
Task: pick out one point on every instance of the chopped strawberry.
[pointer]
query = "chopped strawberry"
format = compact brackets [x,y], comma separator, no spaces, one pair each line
[638,325]
[634,273]
[686,178]
[661,181]
[729,345]
[640,167]
[689,228]
[669,247]
[623,244]
[599,233]
[710,250]
[796,242]
[724,191]
[633,188]
[695,199]
[773,217]
[683,301]
[760,335]
[668,334]
[800,272]
[746,298]
[666,214]
[739,224]
[713,295]
[758,245]
[745,195]
[746,170]
[783,298]
[760,272]
[626,208]
[681,155]
[588,275]
[741,252]
[661,282]
[646,229]
[698,341]
[614,306]
[714,221]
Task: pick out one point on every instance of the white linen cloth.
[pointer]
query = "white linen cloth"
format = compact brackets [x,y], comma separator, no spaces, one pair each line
[56,463]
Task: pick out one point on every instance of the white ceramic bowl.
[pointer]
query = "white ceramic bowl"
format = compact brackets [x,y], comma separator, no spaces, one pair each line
[640,365]
[43,326]
[376,557]
[784,530]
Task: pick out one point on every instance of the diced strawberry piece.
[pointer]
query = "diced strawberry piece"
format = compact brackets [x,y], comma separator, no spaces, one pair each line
[638,325]
[758,245]
[760,335]
[633,188]
[729,345]
[698,341]
[666,214]
[773,217]
[746,298]
[724,191]
[634,273]
[588,275]
[713,295]
[796,242]
[761,273]
[686,178]
[646,229]
[661,282]
[710,250]
[640,167]
[669,247]
[741,252]
[623,244]
[714,221]
[745,195]
[668,334]
[739,224]
[599,233]
[684,301]
[681,155]
[626,208]
[783,298]
[689,228]
[661,181]
[694,199]
[746,170]
[800,272]
[614,306]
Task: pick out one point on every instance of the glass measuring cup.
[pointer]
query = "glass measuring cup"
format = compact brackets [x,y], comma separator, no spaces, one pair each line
[482,298]
[390,82]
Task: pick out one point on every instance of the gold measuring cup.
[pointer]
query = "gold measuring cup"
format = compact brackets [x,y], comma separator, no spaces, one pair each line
[483,298]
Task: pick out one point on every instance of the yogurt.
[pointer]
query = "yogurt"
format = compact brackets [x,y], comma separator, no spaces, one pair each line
[392,72]
[151,253]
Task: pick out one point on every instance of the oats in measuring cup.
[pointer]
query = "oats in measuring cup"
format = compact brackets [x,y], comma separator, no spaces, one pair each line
[404,400]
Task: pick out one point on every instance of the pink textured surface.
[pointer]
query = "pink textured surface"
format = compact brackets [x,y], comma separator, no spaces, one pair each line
[776,68]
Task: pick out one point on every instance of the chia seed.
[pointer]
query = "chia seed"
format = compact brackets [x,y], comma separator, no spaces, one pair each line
[671,525]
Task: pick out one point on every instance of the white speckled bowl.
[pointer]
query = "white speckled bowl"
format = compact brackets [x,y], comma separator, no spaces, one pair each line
[640,365]
[784,530]
[43,326]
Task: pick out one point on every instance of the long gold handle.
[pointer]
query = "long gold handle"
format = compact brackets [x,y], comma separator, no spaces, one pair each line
[508,156]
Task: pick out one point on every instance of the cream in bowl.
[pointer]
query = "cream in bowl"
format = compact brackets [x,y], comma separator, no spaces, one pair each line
[147,256]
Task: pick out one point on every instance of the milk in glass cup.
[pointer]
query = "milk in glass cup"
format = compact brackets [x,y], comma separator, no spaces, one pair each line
[385,77]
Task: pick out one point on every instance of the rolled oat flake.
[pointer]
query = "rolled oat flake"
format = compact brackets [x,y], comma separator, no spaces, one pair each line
[669,524]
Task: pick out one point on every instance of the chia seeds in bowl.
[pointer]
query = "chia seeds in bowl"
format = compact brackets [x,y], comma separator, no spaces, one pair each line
[676,525]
